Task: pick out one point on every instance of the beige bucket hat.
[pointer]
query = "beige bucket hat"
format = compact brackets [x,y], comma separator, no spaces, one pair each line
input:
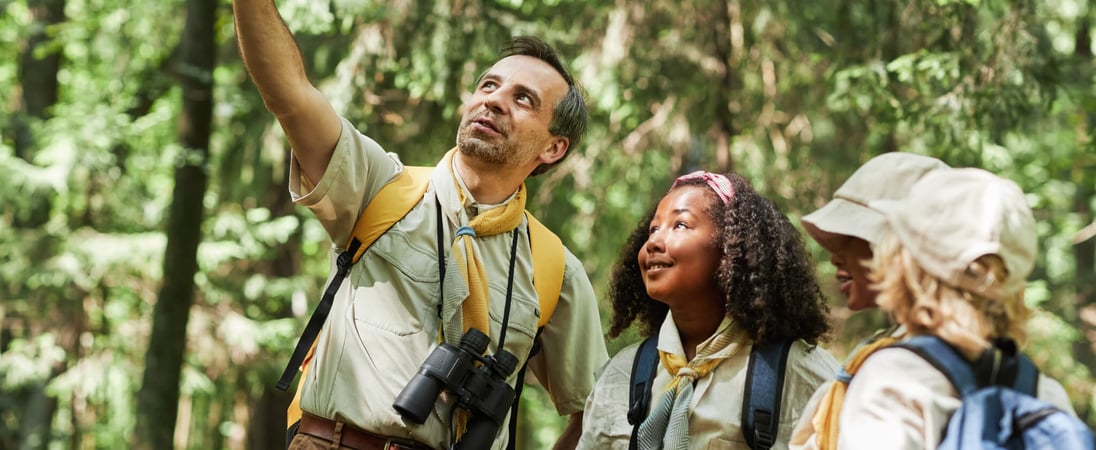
[885,177]
[953,217]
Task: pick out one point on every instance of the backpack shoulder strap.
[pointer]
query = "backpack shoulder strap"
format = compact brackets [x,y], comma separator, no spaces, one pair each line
[549,260]
[549,263]
[944,358]
[644,367]
[388,206]
[391,203]
[960,372]
[764,389]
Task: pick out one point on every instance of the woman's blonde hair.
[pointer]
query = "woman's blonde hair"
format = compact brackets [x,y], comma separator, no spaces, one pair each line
[926,305]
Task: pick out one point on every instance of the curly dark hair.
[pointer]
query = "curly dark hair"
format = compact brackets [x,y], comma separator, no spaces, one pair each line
[765,275]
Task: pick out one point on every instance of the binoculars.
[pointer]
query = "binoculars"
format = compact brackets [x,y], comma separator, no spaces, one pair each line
[479,388]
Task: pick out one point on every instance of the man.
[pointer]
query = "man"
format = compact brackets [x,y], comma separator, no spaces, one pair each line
[524,116]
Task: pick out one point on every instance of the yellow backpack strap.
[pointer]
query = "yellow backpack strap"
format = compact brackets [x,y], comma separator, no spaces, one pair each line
[391,203]
[293,413]
[548,267]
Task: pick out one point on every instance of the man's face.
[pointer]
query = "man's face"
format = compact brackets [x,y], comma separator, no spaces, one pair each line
[506,118]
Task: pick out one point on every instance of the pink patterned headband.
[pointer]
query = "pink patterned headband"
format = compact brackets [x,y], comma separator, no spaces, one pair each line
[719,183]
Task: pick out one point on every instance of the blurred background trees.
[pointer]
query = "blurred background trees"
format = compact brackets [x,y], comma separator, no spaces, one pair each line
[156,274]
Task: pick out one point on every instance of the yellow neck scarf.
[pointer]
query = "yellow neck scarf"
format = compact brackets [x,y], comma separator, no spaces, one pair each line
[667,427]
[475,308]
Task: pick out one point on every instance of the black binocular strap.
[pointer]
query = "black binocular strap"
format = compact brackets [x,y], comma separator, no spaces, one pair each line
[519,383]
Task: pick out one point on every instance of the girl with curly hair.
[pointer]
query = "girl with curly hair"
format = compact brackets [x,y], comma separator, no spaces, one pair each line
[714,269]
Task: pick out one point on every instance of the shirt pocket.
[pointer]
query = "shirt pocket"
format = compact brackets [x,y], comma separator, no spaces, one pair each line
[396,285]
[522,326]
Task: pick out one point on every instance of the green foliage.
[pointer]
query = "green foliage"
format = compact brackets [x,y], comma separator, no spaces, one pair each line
[792,95]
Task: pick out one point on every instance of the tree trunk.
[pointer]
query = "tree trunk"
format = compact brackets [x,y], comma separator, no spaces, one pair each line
[1084,252]
[38,72]
[38,67]
[157,401]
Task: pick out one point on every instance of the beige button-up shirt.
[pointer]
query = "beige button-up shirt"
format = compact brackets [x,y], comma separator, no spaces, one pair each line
[715,418]
[804,437]
[898,400]
[385,317]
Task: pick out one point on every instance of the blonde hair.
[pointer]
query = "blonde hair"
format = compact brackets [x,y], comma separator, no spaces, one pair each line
[925,304]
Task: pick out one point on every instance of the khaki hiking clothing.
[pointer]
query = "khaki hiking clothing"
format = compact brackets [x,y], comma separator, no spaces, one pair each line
[900,401]
[715,420]
[803,437]
[385,317]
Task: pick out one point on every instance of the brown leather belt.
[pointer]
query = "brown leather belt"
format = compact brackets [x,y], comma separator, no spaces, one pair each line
[353,437]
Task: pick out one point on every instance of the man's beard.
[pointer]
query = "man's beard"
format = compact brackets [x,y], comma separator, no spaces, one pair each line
[469,144]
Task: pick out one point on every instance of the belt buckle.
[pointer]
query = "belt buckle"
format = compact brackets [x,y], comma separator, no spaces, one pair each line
[395,443]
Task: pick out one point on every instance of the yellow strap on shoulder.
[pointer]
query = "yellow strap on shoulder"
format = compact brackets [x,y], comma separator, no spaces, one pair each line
[548,267]
[394,201]
[391,203]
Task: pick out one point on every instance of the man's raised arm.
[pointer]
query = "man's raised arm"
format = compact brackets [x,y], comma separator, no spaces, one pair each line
[274,62]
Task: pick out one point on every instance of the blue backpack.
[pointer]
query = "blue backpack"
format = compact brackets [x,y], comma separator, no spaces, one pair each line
[999,409]
[760,402]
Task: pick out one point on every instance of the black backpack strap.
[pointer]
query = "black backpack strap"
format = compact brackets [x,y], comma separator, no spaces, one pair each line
[764,389]
[290,433]
[644,367]
[315,323]
[519,383]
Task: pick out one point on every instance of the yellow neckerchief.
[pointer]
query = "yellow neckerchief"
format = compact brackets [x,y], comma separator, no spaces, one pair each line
[668,424]
[475,308]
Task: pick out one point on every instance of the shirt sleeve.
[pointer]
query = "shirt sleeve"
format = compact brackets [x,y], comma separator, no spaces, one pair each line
[605,424]
[358,169]
[572,343]
[809,368]
[896,401]
[804,434]
[1051,391]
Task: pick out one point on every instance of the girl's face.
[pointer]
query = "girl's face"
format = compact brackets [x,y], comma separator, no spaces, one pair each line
[848,255]
[680,259]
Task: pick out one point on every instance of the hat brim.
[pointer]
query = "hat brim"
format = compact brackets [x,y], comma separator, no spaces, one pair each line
[841,217]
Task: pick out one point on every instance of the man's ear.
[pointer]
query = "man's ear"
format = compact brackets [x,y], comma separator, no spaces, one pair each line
[555,151]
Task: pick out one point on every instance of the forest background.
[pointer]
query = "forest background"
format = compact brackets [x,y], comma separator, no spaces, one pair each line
[155,274]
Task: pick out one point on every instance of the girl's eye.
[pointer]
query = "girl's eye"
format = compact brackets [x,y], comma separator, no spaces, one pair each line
[652,229]
[680,225]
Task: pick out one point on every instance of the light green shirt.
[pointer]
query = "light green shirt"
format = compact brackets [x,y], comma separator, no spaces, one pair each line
[385,317]
[715,415]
